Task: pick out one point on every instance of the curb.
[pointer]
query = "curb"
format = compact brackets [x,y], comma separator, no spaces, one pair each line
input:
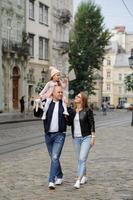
[19,121]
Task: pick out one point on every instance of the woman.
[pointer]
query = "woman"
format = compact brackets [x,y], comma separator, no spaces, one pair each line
[83,133]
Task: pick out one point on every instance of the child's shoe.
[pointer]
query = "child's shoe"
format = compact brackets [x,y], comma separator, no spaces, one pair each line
[43,116]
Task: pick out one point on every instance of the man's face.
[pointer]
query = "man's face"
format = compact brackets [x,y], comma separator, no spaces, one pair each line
[58,93]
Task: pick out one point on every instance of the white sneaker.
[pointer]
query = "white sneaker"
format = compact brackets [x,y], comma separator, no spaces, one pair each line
[83,180]
[59,181]
[51,186]
[43,116]
[77,184]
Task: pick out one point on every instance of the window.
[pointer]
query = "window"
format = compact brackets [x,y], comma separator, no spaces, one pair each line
[18,31]
[120,89]
[31,9]
[9,30]
[108,87]
[43,13]
[31,42]
[120,77]
[108,74]
[108,62]
[43,48]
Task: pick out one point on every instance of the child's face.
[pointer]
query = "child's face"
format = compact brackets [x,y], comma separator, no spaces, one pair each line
[56,77]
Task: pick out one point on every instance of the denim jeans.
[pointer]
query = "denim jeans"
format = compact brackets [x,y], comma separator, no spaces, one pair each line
[54,143]
[82,146]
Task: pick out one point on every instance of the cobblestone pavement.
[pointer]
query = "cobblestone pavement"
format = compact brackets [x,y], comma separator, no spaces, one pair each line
[23,176]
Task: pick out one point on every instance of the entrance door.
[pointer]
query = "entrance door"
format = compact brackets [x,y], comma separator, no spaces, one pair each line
[15,87]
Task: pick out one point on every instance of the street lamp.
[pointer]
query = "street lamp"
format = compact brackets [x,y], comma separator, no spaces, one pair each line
[43,75]
[130,59]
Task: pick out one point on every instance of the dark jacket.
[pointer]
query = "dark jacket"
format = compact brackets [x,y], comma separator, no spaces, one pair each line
[62,120]
[86,120]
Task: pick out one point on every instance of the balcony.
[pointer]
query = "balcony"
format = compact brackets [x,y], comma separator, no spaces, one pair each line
[12,47]
[65,16]
[63,47]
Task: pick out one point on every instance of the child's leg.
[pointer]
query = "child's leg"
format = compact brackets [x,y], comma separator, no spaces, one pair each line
[65,108]
[48,101]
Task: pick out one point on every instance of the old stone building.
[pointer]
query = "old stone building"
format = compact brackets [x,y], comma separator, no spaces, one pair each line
[14,53]
[116,67]
[48,25]
[35,35]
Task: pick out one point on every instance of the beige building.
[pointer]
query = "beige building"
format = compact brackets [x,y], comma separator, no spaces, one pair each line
[116,67]
[48,25]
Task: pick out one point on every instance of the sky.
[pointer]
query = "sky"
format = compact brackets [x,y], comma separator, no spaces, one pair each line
[114,12]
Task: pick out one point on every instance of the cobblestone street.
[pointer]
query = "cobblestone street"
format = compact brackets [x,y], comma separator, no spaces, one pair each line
[24,176]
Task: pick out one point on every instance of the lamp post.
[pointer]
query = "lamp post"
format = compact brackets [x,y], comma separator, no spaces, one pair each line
[43,75]
[130,59]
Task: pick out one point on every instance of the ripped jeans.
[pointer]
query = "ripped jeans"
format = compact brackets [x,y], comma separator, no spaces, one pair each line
[54,143]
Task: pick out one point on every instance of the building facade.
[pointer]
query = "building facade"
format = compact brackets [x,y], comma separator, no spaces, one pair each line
[35,35]
[14,53]
[48,25]
[116,67]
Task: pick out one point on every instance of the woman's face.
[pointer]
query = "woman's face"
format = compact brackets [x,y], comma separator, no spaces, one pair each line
[78,99]
[56,77]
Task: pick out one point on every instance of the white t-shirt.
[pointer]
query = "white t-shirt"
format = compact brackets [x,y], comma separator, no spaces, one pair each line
[54,127]
[77,128]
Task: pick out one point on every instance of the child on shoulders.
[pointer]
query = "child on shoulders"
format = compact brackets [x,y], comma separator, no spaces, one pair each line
[46,93]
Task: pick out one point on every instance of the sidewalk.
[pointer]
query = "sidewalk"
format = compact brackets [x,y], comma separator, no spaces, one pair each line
[16,117]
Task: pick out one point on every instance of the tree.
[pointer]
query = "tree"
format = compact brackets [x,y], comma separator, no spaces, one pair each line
[88,39]
[129,82]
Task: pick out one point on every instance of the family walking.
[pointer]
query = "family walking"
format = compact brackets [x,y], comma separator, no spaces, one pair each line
[55,118]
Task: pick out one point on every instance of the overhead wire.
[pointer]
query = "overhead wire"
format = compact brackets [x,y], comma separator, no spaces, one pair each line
[127,8]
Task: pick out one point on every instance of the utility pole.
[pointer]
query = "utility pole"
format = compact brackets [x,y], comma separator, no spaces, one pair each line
[1,77]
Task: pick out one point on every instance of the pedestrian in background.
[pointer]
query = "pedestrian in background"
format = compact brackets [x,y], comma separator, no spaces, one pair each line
[83,133]
[55,133]
[104,107]
[22,104]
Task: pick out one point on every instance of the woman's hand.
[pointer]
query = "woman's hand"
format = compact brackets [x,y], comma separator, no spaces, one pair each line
[93,138]
[93,141]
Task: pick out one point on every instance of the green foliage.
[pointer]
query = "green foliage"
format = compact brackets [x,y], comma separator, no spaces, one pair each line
[87,46]
[129,82]
[39,86]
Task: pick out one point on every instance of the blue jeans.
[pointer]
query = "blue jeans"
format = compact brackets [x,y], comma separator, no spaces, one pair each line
[54,143]
[82,146]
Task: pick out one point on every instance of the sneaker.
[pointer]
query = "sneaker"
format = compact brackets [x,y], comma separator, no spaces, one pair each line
[83,180]
[51,186]
[44,116]
[77,184]
[59,181]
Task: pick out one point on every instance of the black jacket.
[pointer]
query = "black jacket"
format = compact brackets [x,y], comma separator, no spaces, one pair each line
[62,120]
[86,119]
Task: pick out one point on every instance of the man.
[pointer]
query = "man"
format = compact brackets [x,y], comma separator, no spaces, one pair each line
[55,132]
